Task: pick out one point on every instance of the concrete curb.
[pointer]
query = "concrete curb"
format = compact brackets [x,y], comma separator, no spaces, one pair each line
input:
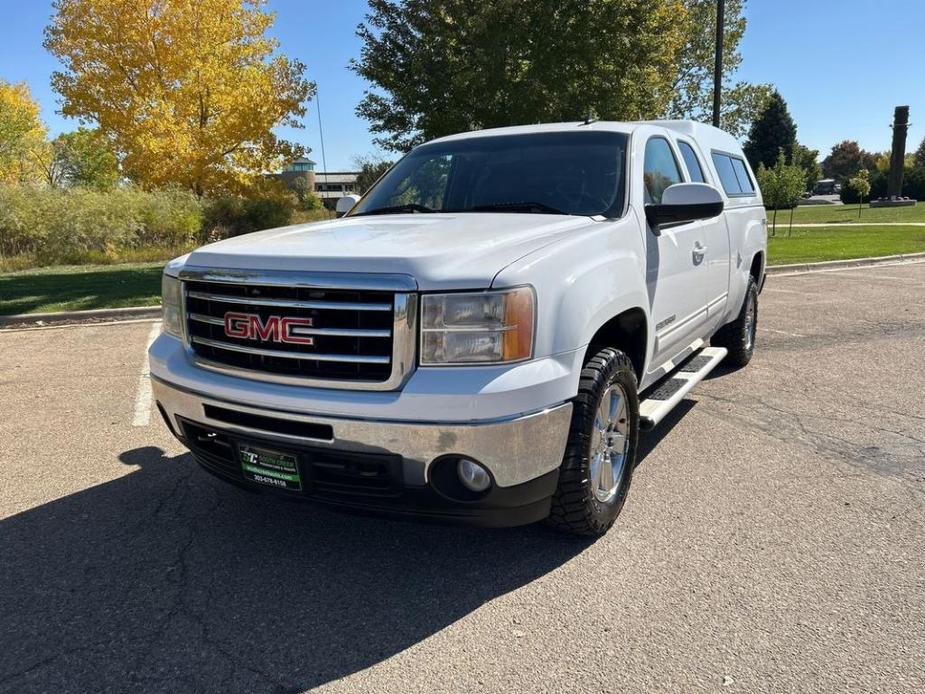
[836,264]
[94,316]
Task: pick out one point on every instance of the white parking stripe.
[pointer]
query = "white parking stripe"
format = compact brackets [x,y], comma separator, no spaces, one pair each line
[143,396]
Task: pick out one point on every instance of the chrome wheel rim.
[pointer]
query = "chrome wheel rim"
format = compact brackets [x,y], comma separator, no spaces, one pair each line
[750,315]
[609,443]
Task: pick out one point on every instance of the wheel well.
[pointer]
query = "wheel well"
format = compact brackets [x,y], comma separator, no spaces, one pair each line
[757,267]
[626,332]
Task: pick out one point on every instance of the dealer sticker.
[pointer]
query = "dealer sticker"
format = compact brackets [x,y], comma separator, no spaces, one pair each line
[272,468]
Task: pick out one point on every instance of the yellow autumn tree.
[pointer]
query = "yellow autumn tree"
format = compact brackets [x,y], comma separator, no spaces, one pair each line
[23,147]
[189,91]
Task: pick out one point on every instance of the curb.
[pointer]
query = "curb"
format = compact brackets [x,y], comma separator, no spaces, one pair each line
[64,317]
[836,264]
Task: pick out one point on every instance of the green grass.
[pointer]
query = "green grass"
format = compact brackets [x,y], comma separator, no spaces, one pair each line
[80,287]
[834,214]
[842,243]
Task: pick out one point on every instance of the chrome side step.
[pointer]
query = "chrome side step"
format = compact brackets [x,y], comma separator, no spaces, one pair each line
[668,393]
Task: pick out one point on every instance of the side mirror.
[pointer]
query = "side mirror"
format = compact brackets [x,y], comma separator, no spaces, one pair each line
[345,204]
[684,202]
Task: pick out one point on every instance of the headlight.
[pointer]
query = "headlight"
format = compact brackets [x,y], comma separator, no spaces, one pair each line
[484,327]
[172,305]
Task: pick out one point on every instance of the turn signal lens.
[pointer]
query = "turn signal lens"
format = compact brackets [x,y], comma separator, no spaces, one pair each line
[484,327]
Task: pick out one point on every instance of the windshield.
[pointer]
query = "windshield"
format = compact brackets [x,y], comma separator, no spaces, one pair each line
[576,173]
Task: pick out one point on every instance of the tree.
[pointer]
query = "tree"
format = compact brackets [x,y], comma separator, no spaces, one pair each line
[861,185]
[808,160]
[23,148]
[781,186]
[919,157]
[692,89]
[189,91]
[773,131]
[846,159]
[83,157]
[441,67]
[304,194]
[370,170]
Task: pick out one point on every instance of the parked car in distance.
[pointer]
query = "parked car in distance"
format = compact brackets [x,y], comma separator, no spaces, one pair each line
[482,336]
[827,186]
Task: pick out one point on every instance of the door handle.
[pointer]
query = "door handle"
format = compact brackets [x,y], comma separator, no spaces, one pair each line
[698,252]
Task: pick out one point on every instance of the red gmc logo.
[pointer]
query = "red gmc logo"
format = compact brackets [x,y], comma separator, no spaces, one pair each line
[250,326]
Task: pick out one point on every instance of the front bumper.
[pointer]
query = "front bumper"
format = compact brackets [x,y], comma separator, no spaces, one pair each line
[522,453]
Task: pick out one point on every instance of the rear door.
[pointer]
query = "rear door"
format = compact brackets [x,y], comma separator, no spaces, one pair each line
[677,299]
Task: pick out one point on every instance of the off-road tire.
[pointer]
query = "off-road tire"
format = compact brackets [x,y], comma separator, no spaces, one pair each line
[575,509]
[738,337]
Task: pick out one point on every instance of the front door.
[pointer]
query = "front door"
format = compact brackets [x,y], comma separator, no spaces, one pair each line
[677,292]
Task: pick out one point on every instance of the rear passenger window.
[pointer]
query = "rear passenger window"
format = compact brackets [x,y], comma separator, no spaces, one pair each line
[693,163]
[660,169]
[745,181]
[727,175]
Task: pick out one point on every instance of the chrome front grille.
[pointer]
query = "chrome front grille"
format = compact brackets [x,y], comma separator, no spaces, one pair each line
[361,330]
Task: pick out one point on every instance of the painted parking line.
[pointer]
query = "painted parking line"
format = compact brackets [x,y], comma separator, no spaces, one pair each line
[142,413]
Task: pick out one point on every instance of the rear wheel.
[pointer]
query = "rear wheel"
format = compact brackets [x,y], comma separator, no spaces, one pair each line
[739,336]
[601,453]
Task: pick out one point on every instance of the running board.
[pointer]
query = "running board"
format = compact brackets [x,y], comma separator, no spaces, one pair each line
[671,391]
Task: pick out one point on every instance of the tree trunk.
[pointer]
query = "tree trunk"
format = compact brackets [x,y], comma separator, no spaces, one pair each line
[790,227]
[774,224]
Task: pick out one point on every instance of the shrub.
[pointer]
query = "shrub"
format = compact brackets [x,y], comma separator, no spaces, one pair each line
[914,185]
[74,225]
[232,216]
[878,182]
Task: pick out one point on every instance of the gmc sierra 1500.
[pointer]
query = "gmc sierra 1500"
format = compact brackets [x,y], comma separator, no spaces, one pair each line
[483,335]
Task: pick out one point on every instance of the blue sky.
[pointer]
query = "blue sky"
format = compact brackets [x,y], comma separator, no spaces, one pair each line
[837,63]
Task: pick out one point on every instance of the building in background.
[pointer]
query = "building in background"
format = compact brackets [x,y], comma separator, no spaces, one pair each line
[329,186]
[302,168]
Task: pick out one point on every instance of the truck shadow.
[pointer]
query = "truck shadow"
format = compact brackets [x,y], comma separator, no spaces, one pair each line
[169,579]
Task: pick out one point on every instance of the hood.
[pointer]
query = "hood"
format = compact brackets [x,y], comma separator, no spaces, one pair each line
[440,251]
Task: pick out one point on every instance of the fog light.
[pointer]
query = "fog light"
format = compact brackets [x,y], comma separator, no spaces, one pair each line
[473,476]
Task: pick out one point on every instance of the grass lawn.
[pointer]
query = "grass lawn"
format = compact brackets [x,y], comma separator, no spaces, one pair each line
[834,243]
[73,288]
[833,214]
[79,287]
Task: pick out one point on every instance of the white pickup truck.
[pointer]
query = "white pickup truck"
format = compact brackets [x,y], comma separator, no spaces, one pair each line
[483,335]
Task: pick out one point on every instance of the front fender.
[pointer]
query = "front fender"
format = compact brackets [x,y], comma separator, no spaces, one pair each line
[582,282]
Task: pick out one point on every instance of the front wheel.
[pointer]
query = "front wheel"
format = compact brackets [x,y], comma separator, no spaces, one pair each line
[601,452]
[739,336]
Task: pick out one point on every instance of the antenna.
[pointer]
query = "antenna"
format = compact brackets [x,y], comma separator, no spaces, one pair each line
[590,118]
[324,162]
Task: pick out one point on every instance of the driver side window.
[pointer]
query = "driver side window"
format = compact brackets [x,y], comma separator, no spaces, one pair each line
[660,169]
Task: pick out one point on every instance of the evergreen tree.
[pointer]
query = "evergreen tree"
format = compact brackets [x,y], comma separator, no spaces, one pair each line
[773,131]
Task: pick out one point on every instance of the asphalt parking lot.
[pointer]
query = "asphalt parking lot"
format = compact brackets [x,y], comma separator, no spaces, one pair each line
[773,541]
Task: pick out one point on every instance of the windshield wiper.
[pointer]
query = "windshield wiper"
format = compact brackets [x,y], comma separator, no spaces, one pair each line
[397,209]
[534,207]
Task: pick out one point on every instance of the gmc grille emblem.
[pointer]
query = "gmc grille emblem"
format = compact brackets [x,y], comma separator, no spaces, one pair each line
[251,326]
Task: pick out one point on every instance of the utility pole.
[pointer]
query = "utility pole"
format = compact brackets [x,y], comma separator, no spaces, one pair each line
[718,64]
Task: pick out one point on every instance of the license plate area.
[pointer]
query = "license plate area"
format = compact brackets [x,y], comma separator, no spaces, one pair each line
[270,467]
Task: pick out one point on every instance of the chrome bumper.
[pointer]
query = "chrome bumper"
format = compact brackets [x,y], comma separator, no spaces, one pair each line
[515,450]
